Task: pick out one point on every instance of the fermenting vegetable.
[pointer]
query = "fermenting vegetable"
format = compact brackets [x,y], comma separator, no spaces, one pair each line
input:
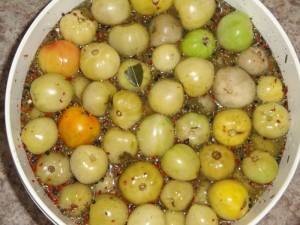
[196,75]
[99,61]
[232,127]
[229,199]
[198,43]
[193,127]
[117,142]
[88,164]
[147,214]
[201,215]
[155,135]
[217,162]
[77,28]
[235,32]
[166,57]
[181,163]
[51,93]
[174,218]
[270,89]
[129,40]
[166,97]
[39,135]
[76,127]
[141,183]
[176,195]
[234,88]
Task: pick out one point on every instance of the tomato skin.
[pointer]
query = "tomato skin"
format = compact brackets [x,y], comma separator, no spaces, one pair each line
[60,57]
[76,127]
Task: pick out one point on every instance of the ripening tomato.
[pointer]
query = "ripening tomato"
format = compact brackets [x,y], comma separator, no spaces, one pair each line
[76,127]
[60,57]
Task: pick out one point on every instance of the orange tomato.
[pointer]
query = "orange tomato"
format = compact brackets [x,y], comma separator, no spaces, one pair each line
[60,57]
[76,127]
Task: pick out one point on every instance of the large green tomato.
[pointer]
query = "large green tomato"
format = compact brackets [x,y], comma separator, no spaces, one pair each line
[235,32]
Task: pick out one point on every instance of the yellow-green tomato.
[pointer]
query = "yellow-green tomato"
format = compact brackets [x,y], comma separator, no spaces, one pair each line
[96,97]
[165,29]
[271,120]
[134,75]
[198,43]
[177,195]
[88,164]
[150,7]
[51,93]
[99,61]
[108,210]
[141,183]
[53,169]
[254,60]
[235,31]
[130,39]
[196,75]
[232,127]
[79,83]
[75,198]
[77,28]
[39,135]
[260,167]
[201,215]
[181,163]
[174,218]
[147,214]
[193,127]
[127,109]
[234,88]
[270,89]
[201,193]
[155,135]
[111,12]
[217,162]
[166,97]
[263,144]
[229,199]
[195,13]
[166,57]
[117,142]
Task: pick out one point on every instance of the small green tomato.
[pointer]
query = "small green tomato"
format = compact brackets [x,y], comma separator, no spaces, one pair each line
[198,43]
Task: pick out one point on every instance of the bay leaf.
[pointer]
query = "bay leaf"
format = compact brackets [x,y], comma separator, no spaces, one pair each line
[135,75]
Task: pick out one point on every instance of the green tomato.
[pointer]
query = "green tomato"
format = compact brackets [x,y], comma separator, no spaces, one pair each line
[181,162]
[217,162]
[260,167]
[53,169]
[198,43]
[155,135]
[235,32]
[39,135]
[194,127]
[141,183]
[75,198]
[201,215]
[51,93]
[271,120]
[229,199]
[108,210]
[148,214]
[177,195]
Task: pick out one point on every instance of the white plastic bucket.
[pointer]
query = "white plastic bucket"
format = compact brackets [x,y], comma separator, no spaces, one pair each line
[265,23]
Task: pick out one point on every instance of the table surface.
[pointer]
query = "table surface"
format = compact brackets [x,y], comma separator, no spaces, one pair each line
[16,206]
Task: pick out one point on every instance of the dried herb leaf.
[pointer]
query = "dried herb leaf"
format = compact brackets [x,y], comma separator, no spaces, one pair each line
[134,75]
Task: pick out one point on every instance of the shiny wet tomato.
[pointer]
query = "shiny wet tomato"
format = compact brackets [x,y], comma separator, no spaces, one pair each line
[76,127]
[60,57]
